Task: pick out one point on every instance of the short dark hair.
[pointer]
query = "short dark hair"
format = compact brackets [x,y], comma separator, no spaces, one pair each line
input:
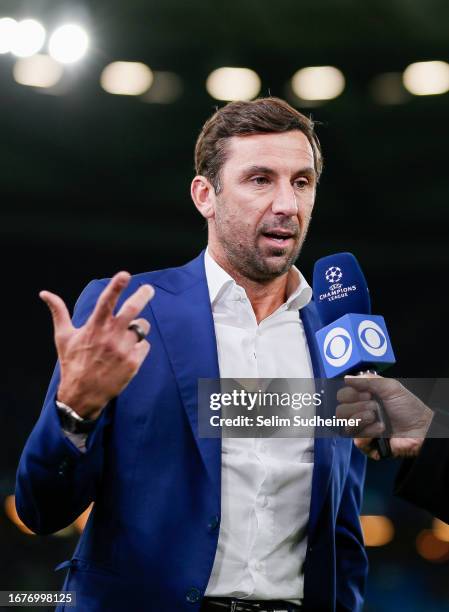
[261,116]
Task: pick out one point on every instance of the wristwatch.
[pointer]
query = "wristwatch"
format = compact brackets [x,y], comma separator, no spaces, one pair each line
[72,422]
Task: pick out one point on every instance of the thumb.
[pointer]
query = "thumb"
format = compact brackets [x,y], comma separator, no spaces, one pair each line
[369,382]
[59,313]
[385,388]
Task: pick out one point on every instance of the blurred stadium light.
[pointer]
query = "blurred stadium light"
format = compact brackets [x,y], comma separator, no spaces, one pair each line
[68,43]
[81,521]
[440,530]
[432,548]
[427,78]
[37,71]
[126,78]
[377,530]
[318,83]
[8,28]
[76,527]
[233,84]
[11,513]
[28,38]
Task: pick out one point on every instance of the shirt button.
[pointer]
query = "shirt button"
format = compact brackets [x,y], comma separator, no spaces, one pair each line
[256,565]
[193,595]
[214,521]
[62,468]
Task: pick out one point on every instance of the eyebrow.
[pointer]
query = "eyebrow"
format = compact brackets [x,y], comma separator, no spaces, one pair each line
[306,171]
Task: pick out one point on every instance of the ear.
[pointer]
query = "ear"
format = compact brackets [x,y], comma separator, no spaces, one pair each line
[203,195]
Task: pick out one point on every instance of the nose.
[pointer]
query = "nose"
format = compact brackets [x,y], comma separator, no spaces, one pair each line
[284,201]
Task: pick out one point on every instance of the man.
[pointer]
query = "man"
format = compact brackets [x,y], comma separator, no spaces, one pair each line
[423,477]
[181,522]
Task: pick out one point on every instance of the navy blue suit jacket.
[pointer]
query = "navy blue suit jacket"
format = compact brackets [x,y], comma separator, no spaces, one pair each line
[150,541]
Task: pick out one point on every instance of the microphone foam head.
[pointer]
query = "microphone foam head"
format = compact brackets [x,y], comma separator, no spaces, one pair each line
[339,287]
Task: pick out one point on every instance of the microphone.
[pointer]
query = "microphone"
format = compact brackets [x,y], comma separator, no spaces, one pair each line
[352,341]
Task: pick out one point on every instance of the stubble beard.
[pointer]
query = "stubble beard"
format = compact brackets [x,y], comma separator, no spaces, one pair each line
[257,264]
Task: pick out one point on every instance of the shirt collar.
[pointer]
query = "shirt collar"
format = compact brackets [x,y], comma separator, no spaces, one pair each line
[218,280]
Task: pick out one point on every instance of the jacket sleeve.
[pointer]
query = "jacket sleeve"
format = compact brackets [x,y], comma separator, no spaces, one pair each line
[424,480]
[55,481]
[352,562]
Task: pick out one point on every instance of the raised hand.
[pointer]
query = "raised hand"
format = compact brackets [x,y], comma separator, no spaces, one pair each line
[99,359]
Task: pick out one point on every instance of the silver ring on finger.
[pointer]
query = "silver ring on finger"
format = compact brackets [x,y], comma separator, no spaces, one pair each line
[138,330]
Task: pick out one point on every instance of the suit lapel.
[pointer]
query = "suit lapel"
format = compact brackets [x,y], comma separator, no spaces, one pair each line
[324,447]
[182,310]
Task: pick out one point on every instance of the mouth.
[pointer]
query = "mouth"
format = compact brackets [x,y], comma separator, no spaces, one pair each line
[279,237]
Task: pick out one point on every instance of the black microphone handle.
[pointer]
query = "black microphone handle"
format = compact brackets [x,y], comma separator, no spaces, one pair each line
[382,445]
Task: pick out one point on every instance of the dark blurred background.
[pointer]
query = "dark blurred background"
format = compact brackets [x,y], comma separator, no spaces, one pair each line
[91,183]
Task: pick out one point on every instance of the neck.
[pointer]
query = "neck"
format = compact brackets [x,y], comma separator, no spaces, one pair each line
[265,297]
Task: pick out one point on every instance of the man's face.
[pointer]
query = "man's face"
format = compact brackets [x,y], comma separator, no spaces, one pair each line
[264,207]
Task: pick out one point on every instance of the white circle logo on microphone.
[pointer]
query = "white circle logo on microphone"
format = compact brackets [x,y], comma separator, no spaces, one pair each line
[372,338]
[337,347]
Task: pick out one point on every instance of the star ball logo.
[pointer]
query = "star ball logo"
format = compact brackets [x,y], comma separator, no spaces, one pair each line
[333,276]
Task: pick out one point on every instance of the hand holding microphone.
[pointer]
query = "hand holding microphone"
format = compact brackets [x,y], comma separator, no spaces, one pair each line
[409,417]
[99,359]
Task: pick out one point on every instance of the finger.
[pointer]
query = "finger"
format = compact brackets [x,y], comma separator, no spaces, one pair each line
[108,298]
[362,425]
[345,411]
[371,431]
[374,454]
[131,335]
[365,396]
[365,446]
[360,383]
[134,305]
[384,388]
[60,315]
[346,395]
[368,382]
[141,350]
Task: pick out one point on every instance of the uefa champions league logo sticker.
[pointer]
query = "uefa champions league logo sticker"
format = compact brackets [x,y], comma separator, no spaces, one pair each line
[334,275]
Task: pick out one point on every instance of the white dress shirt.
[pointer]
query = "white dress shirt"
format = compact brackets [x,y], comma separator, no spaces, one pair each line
[266,483]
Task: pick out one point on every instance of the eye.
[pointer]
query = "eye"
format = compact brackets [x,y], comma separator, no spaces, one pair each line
[301,183]
[260,180]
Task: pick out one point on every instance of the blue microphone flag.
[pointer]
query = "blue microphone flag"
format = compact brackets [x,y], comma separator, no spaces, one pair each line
[339,287]
[352,339]
[355,342]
